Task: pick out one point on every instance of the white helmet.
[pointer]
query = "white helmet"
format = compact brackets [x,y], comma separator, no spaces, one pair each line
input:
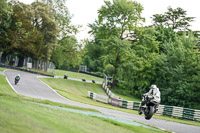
[18,75]
[153,86]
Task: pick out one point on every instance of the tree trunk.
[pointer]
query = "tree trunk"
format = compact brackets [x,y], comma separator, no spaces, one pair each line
[114,83]
[21,61]
[3,57]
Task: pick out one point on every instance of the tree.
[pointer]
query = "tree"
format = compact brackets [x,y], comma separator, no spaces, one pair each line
[116,50]
[44,22]
[123,15]
[116,22]
[63,17]
[164,35]
[174,18]
[5,22]
[177,71]
[65,55]
[138,70]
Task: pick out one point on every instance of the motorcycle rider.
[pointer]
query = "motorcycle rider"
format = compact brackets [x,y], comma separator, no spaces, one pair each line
[155,94]
[17,78]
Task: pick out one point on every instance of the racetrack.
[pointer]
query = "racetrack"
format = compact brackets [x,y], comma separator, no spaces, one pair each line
[30,85]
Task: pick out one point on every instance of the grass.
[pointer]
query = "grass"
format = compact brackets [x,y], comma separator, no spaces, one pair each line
[125,95]
[77,75]
[2,69]
[77,91]
[70,89]
[19,115]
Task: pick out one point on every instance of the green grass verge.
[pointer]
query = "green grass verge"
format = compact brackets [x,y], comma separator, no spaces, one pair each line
[77,75]
[78,91]
[19,115]
[125,95]
[2,69]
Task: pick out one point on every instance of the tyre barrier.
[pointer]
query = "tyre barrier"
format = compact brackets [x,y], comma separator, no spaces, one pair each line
[92,95]
[127,104]
[116,102]
[197,115]
[173,111]
[102,98]
[136,105]
[160,110]
[177,112]
[168,110]
[188,114]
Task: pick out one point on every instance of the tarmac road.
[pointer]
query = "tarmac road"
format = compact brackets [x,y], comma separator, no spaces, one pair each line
[30,85]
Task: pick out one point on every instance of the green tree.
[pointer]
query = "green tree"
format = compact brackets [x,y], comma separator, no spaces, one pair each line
[62,17]
[66,54]
[116,22]
[121,15]
[138,71]
[174,18]
[178,71]
[164,35]
[116,51]
[44,22]
[5,22]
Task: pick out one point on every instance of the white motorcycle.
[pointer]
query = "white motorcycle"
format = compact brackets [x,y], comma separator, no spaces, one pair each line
[150,107]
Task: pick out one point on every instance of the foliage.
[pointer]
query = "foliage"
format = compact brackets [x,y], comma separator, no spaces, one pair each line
[65,55]
[173,18]
[5,21]
[138,71]
[62,17]
[116,22]
[44,22]
[109,69]
[123,15]
[178,72]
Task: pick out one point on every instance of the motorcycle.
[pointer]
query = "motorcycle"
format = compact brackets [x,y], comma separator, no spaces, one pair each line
[17,78]
[150,107]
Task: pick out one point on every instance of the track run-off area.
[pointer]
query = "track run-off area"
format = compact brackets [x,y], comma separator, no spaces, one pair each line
[31,86]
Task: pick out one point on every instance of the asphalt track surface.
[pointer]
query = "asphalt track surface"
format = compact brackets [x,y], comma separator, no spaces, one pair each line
[30,85]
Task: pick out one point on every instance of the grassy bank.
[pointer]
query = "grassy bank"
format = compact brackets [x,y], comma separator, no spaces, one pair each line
[18,114]
[77,75]
[23,117]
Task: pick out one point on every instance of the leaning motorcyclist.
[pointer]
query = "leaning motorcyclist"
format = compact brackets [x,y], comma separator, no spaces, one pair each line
[17,78]
[154,93]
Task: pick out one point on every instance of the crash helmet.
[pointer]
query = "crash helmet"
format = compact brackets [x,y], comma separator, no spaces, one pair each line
[153,86]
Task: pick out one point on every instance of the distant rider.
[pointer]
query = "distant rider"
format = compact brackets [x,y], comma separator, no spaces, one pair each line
[17,78]
[153,92]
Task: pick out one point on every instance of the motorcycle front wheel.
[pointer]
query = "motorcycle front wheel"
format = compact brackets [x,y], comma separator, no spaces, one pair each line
[150,113]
